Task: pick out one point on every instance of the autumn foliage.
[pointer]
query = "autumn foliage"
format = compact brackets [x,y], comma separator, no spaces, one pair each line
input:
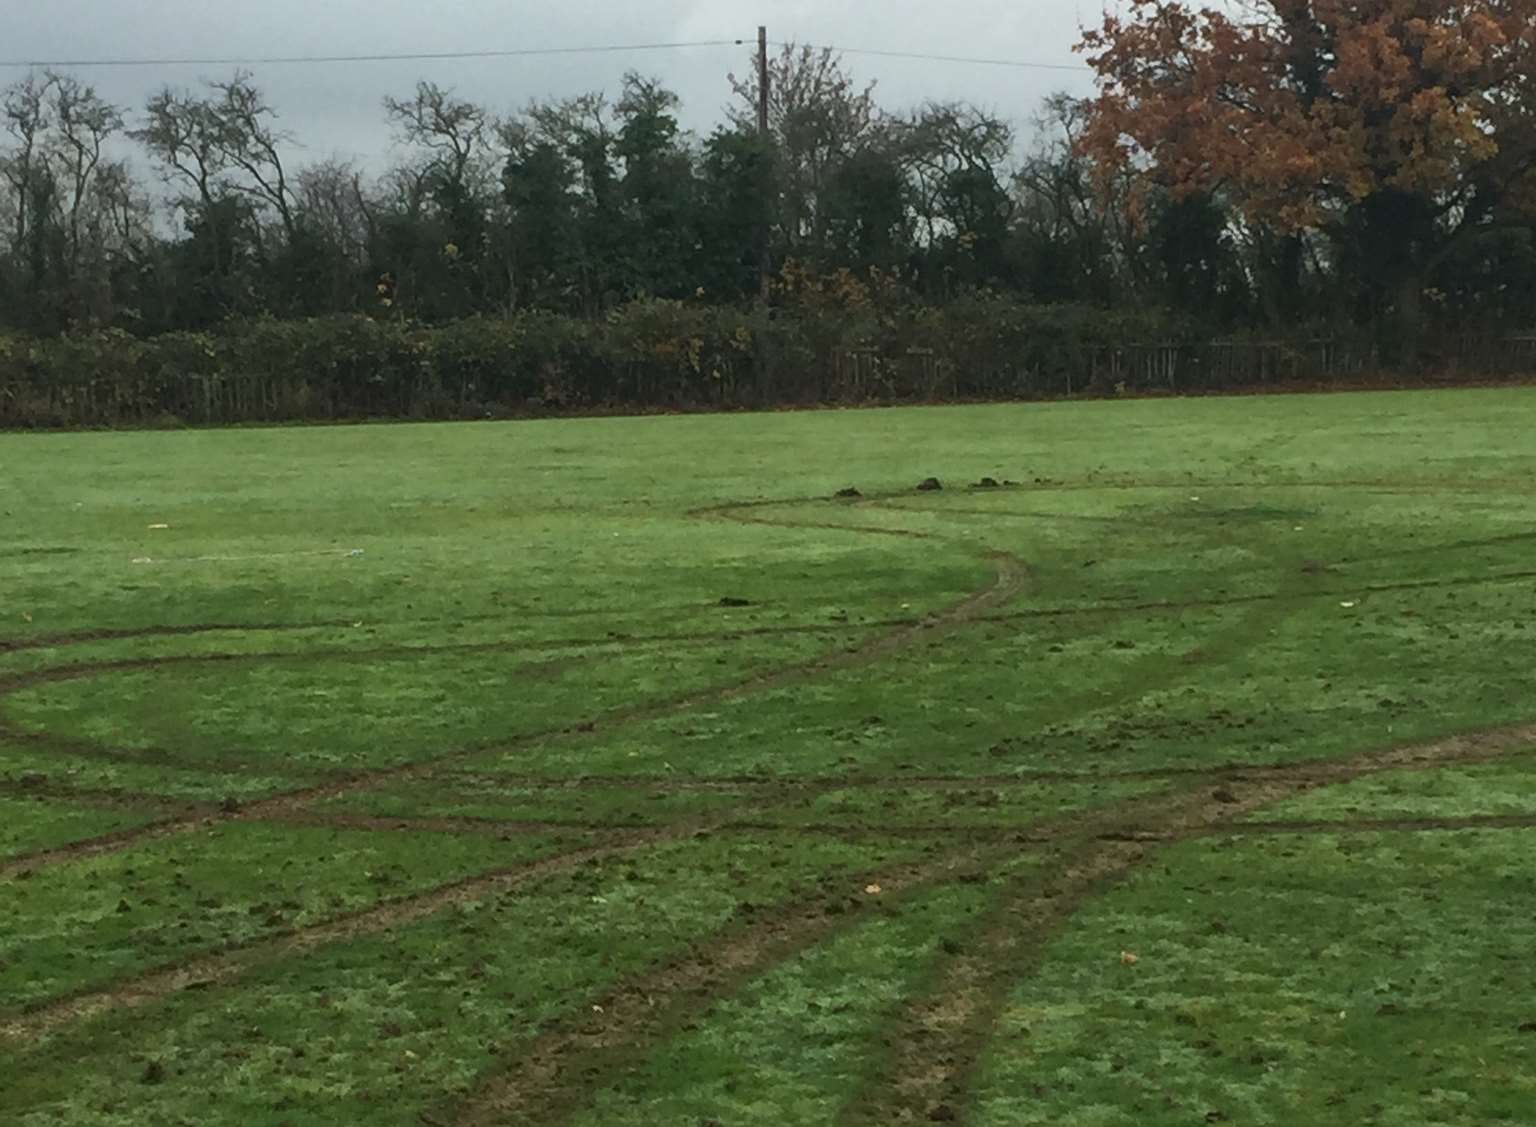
[1398,130]
[1300,108]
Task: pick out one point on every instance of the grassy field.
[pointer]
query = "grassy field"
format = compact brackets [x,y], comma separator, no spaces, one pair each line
[614,772]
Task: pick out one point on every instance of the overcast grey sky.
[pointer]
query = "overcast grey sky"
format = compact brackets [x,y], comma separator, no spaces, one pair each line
[333,109]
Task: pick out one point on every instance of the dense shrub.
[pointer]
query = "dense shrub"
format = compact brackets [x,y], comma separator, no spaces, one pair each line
[839,340]
[676,353]
[999,346]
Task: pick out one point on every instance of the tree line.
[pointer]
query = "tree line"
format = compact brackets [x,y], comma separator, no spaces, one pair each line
[1312,170]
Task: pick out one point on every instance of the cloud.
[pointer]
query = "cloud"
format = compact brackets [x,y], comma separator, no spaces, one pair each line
[334,109]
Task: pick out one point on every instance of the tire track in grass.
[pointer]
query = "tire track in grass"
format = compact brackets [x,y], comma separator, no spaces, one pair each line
[1107,857]
[348,782]
[84,636]
[110,634]
[228,964]
[974,608]
[1234,770]
[544,1079]
[1017,832]
[14,682]
[942,1034]
[551,1074]
[777,791]
[1008,580]
[1518,486]
[23,866]
[165,760]
[38,786]
[511,827]
[968,858]
[1406,824]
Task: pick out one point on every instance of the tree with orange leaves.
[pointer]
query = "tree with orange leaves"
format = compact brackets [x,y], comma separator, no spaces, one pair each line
[1396,129]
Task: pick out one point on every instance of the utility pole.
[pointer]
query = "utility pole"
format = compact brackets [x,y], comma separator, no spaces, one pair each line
[762,80]
[764,265]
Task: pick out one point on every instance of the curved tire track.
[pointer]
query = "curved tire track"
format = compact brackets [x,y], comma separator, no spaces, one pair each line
[941,1036]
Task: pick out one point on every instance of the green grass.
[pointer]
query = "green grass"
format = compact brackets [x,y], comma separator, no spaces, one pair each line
[1485,789]
[373,1031]
[383,660]
[31,824]
[1369,979]
[787,1046]
[154,904]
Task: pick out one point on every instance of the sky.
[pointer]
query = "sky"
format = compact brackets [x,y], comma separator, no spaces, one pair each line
[333,109]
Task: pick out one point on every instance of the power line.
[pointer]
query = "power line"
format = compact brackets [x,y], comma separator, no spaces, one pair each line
[967,59]
[411,56]
[524,52]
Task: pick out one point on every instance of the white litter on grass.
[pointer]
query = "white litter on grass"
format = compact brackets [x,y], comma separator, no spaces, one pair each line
[1349,606]
[158,527]
[349,552]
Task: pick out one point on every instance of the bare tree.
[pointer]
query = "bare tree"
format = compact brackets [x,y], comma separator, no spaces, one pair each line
[123,210]
[182,133]
[454,132]
[220,143]
[24,113]
[83,124]
[1054,184]
[331,201]
[819,116]
[247,140]
[945,144]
